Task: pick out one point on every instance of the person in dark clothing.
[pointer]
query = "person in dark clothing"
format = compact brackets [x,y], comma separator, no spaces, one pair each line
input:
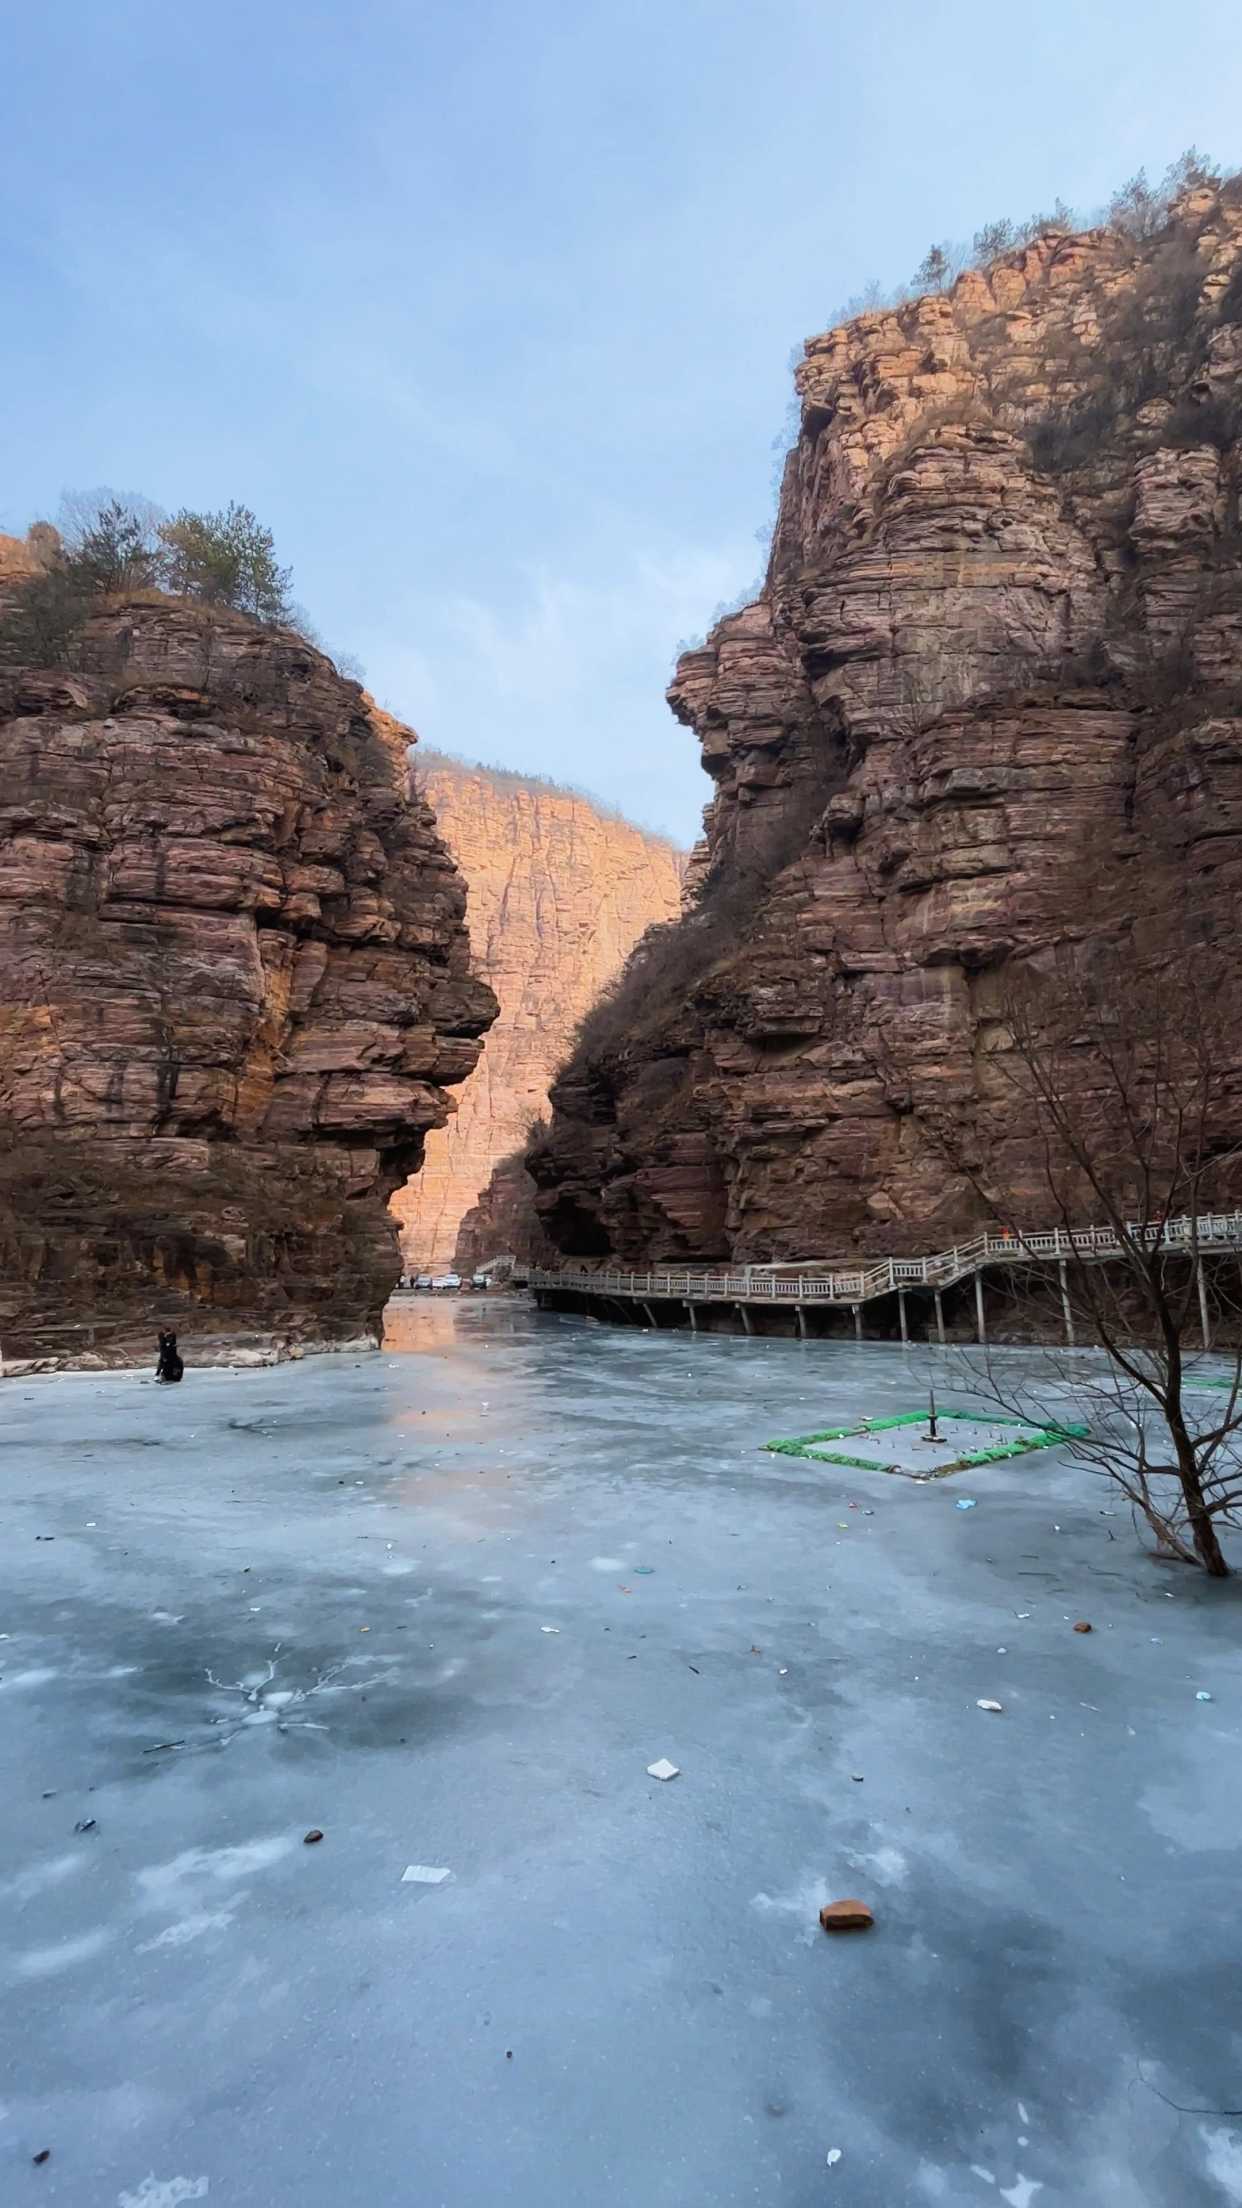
[170,1366]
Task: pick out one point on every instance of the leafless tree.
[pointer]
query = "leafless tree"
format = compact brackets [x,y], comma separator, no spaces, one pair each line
[1110,1100]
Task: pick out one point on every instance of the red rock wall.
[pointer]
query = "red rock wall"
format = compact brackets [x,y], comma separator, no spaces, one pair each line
[986,704]
[558,896]
[234,990]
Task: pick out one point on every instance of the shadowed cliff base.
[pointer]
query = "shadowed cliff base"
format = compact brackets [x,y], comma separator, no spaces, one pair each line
[236,987]
[983,716]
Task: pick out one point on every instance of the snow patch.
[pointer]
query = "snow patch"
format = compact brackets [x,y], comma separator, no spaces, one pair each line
[888,1865]
[162,1881]
[44,1962]
[41,1875]
[190,1928]
[1224,2162]
[167,2192]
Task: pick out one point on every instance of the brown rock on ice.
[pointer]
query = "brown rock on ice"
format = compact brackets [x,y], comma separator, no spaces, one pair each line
[846,1916]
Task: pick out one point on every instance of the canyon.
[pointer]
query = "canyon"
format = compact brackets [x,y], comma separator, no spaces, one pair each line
[560,891]
[984,714]
[235,989]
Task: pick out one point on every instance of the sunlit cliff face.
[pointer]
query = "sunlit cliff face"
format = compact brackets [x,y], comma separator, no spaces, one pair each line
[559,893]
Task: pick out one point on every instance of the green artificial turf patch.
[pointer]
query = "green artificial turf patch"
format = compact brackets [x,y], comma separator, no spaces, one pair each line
[916,1455]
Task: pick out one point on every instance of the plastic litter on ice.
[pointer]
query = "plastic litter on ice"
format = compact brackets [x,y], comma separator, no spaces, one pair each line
[663,1769]
[988,1705]
[422,1874]
[834,2156]
[966,1504]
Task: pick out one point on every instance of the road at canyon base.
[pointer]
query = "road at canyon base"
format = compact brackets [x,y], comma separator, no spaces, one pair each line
[447,1604]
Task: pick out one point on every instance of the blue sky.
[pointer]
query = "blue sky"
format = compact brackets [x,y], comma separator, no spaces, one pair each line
[487,309]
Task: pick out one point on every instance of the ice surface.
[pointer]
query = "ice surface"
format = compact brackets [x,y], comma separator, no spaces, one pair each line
[621,1995]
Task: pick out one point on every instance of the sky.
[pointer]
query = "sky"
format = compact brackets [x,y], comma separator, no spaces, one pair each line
[488,310]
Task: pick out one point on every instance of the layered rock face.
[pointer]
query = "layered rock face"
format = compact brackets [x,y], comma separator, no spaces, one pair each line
[235,988]
[987,703]
[559,895]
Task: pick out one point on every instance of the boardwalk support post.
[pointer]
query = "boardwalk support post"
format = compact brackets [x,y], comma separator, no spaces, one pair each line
[1203,1304]
[979,1306]
[802,1321]
[1065,1305]
[694,1323]
[939,1317]
[901,1308]
[858,1322]
[747,1328]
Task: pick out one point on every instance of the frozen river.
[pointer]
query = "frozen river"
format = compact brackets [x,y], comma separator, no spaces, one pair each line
[447,1604]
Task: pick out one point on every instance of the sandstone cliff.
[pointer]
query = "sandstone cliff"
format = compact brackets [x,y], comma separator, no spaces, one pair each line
[989,695]
[234,987]
[559,895]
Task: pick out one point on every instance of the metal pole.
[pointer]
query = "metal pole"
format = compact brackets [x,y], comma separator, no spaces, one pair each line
[1065,1306]
[939,1318]
[1203,1304]
[858,1322]
[747,1328]
[650,1316]
[802,1321]
[901,1306]
[979,1306]
[694,1323]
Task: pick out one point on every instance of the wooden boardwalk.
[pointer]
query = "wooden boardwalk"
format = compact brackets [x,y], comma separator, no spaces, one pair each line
[800,1288]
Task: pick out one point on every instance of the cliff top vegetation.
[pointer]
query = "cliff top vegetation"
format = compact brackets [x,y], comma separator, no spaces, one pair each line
[1139,211]
[107,545]
[508,778]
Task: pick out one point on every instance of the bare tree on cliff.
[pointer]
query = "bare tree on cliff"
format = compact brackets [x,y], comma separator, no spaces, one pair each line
[1122,1078]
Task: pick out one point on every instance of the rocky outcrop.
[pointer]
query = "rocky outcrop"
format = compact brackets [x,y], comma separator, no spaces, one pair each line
[987,703]
[559,895]
[235,990]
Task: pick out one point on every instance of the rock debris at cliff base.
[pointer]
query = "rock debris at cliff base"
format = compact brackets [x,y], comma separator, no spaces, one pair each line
[985,708]
[234,990]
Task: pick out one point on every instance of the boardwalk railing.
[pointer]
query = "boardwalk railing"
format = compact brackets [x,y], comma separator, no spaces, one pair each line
[770,1284]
